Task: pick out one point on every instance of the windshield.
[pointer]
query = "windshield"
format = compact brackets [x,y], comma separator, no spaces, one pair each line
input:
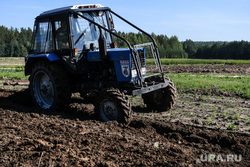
[86,34]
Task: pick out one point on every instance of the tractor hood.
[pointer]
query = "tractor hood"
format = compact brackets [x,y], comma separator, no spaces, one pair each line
[123,62]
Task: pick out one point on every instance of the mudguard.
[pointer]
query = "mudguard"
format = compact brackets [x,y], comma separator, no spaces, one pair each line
[51,57]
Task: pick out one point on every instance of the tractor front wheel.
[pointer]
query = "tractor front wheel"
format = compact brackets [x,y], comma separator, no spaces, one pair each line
[162,99]
[112,105]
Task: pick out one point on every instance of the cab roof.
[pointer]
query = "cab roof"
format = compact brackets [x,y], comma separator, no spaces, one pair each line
[86,7]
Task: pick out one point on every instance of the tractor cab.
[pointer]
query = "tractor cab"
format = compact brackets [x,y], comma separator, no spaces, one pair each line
[69,31]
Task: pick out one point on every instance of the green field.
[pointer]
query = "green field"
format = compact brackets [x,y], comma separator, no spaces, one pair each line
[12,59]
[15,74]
[14,68]
[239,85]
[13,62]
[223,83]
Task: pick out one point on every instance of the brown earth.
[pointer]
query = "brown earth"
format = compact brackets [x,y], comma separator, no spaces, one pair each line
[195,127]
[76,138]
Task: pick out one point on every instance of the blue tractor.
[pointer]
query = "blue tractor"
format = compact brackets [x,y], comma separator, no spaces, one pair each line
[74,49]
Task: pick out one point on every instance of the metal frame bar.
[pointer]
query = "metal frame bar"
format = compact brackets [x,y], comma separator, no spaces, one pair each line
[152,50]
[150,88]
[155,45]
[118,36]
[47,37]
[133,51]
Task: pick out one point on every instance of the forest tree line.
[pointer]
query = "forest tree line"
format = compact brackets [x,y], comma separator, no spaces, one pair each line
[17,42]
[223,50]
[14,42]
[168,47]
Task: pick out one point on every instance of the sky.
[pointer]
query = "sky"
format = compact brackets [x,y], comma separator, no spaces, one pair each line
[198,20]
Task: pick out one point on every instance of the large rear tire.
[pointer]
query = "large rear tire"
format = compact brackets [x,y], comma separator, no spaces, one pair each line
[49,87]
[162,99]
[112,105]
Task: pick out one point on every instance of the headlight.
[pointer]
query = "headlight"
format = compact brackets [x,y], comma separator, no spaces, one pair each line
[134,73]
[143,72]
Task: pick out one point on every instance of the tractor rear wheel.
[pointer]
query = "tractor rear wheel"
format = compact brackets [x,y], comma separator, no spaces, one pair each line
[112,105]
[49,87]
[162,99]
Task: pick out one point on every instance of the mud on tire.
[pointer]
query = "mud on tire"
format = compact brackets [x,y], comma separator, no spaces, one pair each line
[162,99]
[112,105]
[49,87]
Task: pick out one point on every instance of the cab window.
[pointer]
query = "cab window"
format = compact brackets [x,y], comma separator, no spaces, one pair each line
[43,41]
[40,36]
[61,31]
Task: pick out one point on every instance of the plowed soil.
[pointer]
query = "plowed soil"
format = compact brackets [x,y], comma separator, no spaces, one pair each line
[203,129]
[76,138]
[232,69]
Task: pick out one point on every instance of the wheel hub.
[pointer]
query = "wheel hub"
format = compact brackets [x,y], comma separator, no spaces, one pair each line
[46,89]
[158,96]
[109,111]
[43,90]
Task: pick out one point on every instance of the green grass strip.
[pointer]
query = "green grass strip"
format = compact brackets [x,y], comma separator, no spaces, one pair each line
[183,81]
[13,73]
[239,85]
